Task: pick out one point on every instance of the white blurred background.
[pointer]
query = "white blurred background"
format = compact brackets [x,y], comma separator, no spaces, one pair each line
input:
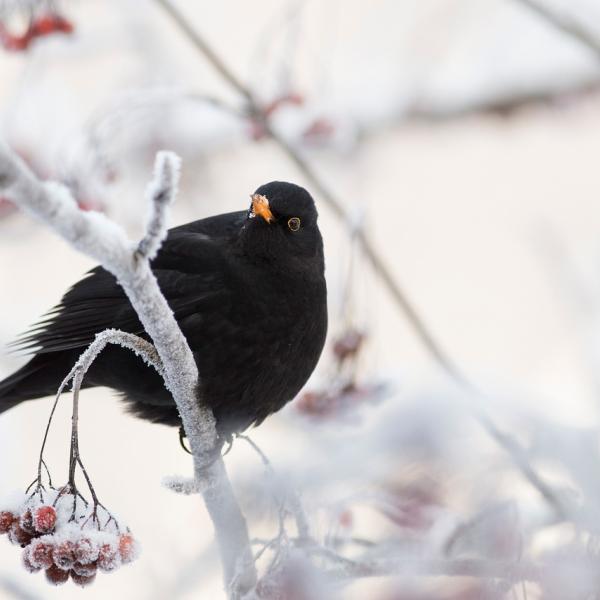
[463,135]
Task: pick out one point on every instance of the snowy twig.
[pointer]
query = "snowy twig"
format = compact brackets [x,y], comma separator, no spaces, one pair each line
[399,296]
[98,237]
[161,193]
[481,569]
[292,499]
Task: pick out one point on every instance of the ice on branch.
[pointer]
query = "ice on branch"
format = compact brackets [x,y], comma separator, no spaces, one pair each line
[182,485]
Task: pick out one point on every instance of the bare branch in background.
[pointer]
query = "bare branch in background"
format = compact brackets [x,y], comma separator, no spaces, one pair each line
[509,444]
[565,23]
[98,237]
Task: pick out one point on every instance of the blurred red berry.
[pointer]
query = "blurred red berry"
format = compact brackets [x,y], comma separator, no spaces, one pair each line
[346,518]
[64,555]
[44,519]
[57,576]
[127,548]
[43,25]
[319,129]
[348,344]
[6,520]
[52,23]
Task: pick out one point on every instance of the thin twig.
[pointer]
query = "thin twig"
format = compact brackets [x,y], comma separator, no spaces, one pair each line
[292,495]
[399,296]
[564,23]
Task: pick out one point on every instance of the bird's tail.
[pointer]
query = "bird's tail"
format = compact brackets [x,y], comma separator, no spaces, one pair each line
[40,377]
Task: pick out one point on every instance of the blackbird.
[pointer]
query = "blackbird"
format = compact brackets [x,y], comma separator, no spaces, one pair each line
[248,291]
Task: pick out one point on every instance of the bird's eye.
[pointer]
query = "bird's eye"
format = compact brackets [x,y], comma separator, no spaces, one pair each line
[294,224]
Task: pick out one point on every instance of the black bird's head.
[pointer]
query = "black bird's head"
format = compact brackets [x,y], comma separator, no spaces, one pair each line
[281,225]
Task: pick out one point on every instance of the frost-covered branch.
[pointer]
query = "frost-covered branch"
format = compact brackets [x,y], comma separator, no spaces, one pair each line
[98,237]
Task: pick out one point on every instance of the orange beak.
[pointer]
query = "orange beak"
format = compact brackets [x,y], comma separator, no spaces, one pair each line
[260,207]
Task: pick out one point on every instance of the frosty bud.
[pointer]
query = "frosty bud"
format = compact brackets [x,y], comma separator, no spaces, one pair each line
[44,519]
[18,536]
[6,521]
[57,576]
[82,580]
[86,551]
[40,553]
[64,555]
[26,522]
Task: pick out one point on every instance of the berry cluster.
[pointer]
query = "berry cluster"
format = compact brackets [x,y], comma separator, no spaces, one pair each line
[67,541]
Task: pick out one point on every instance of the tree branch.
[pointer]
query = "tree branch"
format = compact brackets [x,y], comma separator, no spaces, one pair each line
[95,235]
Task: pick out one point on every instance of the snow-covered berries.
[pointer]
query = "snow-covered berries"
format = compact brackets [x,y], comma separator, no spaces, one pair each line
[66,537]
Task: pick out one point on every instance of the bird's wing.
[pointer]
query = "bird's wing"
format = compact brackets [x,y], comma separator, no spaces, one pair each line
[189,274]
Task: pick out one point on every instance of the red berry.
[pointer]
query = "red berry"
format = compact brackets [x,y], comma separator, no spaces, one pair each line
[26,522]
[86,551]
[44,519]
[85,570]
[18,536]
[108,558]
[64,555]
[6,521]
[43,25]
[29,566]
[127,548]
[346,519]
[57,576]
[82,580]
[40,553]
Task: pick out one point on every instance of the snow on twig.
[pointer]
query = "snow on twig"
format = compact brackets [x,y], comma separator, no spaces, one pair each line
[95,235]
[182,485]
[161,193]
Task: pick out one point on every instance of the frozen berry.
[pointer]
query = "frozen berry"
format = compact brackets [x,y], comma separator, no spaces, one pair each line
[64,555]
[82,580]
[85,570]
[108,558]
[18,536]
[57,576]
[40,553]
[26,522]
[29,566]
[86,551]
[6,521]
[44,519]
[127,548]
